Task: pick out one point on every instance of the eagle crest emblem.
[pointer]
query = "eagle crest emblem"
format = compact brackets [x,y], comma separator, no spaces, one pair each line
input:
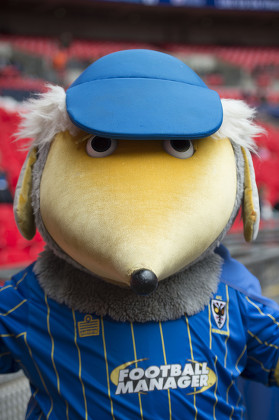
[218,308]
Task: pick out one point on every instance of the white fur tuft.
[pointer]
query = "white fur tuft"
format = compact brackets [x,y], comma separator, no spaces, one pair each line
[44,117]
[238,124]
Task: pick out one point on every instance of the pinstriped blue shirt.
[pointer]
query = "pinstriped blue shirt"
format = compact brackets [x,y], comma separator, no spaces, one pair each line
[82,366]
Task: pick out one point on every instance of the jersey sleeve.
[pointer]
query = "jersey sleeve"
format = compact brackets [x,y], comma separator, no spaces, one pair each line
[13,322]
[262,328]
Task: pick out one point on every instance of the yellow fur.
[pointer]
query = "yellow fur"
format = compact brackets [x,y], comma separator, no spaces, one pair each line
[139,207]
[249,212]
[23,209]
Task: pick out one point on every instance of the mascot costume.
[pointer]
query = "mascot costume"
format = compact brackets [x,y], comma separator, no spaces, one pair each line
[135,310]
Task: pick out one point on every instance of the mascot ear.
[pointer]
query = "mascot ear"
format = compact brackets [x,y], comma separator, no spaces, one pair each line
[250,204]
[23,210]
[239,127]
[42,118]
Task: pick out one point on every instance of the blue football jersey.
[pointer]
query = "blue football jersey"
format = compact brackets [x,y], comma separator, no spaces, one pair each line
[82,366]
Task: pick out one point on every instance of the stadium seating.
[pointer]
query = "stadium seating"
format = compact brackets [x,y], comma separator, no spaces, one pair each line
[14,249]
[245,57]
[80,49]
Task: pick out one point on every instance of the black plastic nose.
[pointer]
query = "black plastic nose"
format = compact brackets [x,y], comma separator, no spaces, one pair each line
[143,282]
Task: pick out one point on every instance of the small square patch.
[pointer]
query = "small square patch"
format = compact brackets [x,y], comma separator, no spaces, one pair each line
[88,327]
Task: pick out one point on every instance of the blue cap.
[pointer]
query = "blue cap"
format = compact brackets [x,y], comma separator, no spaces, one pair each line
[143,94]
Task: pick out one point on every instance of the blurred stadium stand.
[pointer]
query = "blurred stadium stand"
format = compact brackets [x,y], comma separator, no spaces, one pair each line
[232,45]
[221,22]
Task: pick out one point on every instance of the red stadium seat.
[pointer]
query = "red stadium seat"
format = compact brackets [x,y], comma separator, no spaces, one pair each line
[14,249]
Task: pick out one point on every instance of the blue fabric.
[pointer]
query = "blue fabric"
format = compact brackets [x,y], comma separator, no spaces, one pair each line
[86,367]
[234,272]
[241,279]
[261,402]
[142,94]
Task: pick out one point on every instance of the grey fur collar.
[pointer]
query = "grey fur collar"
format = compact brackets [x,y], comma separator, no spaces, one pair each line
[186,292]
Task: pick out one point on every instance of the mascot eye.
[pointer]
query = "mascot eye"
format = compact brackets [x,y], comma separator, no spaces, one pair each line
[181,149]
[100,146]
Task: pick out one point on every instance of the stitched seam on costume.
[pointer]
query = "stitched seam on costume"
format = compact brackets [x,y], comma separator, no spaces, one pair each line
[261,312]
[13,309]
[263,342]
[11,285]
[139,78]
[260,363]
[240,357]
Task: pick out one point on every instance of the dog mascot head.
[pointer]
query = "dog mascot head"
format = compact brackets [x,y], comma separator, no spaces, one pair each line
[133,178]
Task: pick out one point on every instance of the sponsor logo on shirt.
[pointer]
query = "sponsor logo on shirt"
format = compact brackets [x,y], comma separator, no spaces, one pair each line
[194,376]
[88,327]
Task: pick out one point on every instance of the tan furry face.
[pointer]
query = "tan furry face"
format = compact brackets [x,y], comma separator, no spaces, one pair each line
[139,207]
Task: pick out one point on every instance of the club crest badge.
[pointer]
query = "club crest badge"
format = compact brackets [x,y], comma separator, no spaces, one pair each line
[218,308]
